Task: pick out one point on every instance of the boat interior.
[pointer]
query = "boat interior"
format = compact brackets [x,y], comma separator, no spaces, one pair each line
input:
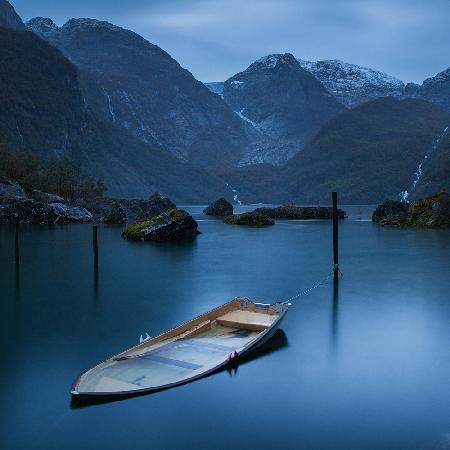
[184,352]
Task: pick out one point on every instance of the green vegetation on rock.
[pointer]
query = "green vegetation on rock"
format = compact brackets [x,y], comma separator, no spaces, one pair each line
[431,212]
[254,219]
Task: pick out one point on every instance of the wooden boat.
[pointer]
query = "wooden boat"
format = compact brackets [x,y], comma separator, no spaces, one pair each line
[186,352]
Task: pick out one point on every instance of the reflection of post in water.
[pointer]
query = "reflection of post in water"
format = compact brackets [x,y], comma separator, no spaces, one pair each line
[17,295]
[95,285]
[335,314]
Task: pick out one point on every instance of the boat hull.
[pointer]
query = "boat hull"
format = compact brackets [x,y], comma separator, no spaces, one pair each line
[210,330]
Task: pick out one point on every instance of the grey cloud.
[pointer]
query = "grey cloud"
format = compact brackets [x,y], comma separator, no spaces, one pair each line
[214,39]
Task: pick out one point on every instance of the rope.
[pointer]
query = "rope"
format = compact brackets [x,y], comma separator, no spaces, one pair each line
[321,282]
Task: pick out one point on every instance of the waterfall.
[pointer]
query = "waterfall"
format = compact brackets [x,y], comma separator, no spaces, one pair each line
[235,194]
[418,173]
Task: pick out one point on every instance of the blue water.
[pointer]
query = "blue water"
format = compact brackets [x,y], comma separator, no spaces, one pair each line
[362,366]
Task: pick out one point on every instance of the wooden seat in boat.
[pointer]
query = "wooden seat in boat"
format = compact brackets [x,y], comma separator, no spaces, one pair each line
[246,320]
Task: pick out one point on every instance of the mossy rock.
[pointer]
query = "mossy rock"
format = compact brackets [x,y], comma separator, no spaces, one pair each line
[254,219]
[173,225]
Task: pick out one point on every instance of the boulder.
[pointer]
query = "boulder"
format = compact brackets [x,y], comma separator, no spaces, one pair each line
[173,225]
[292,212]
[69,214]
[255,219]
[432,212]
[221,207]
[11,188]
[106,210]
[146,209]
[46,197]
[392,213]
[28,210]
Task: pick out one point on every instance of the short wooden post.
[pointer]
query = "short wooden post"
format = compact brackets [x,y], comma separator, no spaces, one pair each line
[16,242]
[95,246]
[335,238]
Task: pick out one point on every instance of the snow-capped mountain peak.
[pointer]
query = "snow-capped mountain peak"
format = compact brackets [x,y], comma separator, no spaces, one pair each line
[41,25]
[271,61]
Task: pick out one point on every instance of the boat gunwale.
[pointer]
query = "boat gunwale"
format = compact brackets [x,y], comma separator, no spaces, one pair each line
[249,346]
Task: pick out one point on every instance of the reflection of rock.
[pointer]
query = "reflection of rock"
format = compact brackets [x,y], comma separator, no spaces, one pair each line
[10,188]
[220,207]
[431,212]
[300,212]
[254,219]
[172,225]
[391,212]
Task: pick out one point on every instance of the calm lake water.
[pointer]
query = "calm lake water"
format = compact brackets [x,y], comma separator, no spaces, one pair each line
[364,366]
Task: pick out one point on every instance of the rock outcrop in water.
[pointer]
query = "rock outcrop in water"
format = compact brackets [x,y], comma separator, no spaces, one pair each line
[430,212]
[117,211]
[46,208]
[292,212]
[253,218]
[173,225]
[221,207]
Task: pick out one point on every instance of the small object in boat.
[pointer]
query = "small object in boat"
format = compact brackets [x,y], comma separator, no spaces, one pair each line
[232,356]
[186,352]
[142,339]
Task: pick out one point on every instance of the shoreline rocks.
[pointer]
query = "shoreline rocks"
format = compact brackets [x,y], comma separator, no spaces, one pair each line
[292,212]
[430,212]
[173,225]
[221,207]
[253,218]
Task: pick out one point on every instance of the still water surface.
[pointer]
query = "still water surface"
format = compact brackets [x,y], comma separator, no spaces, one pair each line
[364,366]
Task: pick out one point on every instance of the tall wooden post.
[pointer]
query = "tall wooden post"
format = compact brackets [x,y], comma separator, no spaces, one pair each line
[95,246]
[16,242]
[335,238]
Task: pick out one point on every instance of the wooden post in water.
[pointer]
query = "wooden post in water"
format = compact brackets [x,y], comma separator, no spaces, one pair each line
[335,238]
[16,242]
[95,246]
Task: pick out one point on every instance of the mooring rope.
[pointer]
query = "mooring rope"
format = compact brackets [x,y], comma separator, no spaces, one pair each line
[321,282]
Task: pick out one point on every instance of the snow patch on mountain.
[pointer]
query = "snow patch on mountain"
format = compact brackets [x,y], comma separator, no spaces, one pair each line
[352,84]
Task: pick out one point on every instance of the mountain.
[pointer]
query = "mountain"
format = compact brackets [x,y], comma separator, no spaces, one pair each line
[138,86]
[9,18]
[43,112]
[435,89]
[281,100]
[367,154]
[216,87]
[352,84]
[434,172]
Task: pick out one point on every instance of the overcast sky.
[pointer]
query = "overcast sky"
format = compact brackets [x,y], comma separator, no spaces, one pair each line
[214,39]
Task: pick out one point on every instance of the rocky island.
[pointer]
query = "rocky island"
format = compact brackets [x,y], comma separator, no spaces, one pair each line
[430,212]
[172,225]
[221,207]
[292,212]
[253,218]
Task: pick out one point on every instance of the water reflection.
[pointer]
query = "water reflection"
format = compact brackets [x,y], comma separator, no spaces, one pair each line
[335,316]
[276,342]
[17,291]
[95,285]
